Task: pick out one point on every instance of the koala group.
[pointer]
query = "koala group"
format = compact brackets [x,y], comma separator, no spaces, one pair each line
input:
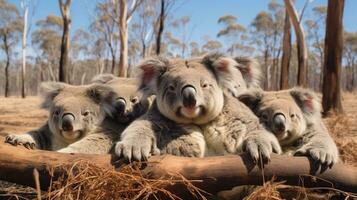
[212,105]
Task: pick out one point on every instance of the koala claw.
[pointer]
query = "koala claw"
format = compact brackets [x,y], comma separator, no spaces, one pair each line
[259,148]
[320,155]
[24,140]
[136,152]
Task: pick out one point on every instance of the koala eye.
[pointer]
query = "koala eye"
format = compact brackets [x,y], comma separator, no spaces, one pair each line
[264,116]
[134,100]
[86,113]
[171,88]
[204,85]
[292,115]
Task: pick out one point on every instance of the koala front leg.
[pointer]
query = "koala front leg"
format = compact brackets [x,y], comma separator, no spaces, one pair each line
[187,141]
[31,140]
[95,143]
[318,144]
[138,141]
[261,143]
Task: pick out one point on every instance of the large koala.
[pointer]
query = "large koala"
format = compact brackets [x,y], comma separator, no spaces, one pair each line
[294,117]
[74,113]
[192,115]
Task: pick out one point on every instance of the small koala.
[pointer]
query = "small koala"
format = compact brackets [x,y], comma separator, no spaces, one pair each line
[129,103]
[74,112]
[293,116]
[192,115]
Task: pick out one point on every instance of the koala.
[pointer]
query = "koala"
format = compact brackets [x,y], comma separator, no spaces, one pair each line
[74,112]
[293,116]
[192,115]
[129,103]
[248,76]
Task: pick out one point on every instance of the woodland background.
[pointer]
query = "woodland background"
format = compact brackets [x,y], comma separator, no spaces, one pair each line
[292,47]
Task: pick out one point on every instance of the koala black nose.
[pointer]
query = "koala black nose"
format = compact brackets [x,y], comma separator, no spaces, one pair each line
[120,105]
[67,122]
[279,122]
[189,96]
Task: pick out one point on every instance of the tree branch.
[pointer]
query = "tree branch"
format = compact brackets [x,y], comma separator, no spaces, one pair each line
[217,173]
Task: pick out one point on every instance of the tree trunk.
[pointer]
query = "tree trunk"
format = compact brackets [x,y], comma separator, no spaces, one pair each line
[213,173]
[123,35]
[7,65]
[65,45]
[113,62]
[161,28]
[24,43]
[285,61]
[331,98]
[143,48]
[266,82]
[353,77]
[301,43]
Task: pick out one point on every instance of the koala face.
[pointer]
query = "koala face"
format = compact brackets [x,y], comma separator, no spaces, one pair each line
[187,91]
[129,103]
[282,116]
[75,110]
[285,113]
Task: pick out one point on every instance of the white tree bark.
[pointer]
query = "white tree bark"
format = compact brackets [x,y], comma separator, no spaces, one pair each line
[301,42]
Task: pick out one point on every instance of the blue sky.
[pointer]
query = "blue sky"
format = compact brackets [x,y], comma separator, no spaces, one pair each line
[204,13]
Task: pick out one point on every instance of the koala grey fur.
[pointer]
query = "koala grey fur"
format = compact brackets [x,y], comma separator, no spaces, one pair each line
[74,112]
[128,104]
[294,117]
[102,132]
[192,115]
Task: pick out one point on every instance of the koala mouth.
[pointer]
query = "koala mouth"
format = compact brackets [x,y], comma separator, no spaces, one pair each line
[72,135]
[125,118]
[190,112]
[281,136]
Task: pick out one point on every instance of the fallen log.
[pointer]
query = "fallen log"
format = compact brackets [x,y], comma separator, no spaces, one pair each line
[216,173]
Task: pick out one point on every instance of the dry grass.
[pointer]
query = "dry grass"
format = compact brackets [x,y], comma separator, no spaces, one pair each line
[87,181]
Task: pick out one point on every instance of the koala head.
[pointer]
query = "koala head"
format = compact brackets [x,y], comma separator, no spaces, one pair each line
[250,72]
[285,113]
[247,76]
[188,91]
[75,110]
[129,102]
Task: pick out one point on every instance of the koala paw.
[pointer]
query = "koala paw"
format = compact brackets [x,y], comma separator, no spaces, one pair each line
[133,149]
[21,139]
[260,146]
[322,154]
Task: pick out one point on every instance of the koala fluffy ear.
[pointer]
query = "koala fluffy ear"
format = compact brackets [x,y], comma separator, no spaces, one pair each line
[150,70]
[307,100]
[225,69]
[103,78]
[251,71]
[49,90]
[102,95]
[251,98]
